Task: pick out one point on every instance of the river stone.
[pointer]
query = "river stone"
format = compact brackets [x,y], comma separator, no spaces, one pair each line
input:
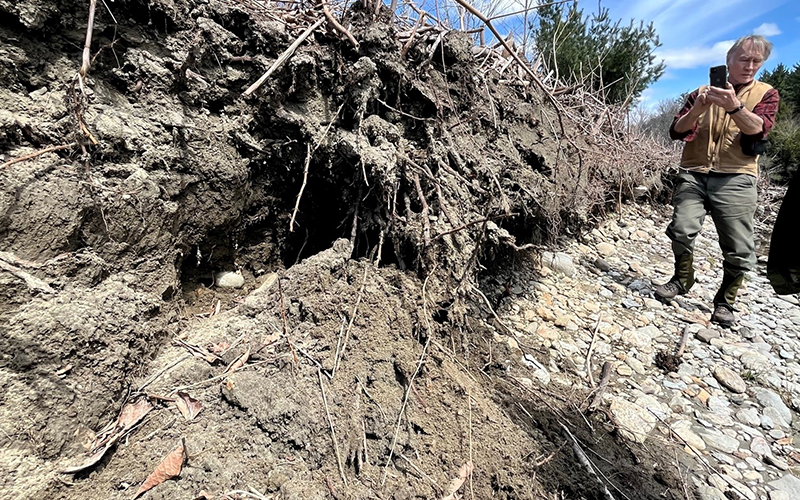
[559,262]
[777,434]
[729,379]
[752,476]
[683,428]
[720,441]
[748,416]
[639,340]
[706,335]
[776,462]
[754,360]
[788,484]
[769,399]
[710,493]
[634,422]
[635,365]
[606,249]
[229,279]
[719,405]
[759,446]
[779,495]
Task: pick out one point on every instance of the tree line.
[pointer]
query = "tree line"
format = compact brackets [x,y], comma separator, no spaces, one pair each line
[783,152]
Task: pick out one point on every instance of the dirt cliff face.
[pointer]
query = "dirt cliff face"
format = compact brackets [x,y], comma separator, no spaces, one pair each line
[359,193]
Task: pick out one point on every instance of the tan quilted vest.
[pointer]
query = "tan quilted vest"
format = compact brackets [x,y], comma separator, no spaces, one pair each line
[717,146]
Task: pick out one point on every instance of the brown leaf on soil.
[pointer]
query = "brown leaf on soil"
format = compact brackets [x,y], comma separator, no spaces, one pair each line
[220,347]
[168,468]
[93,459]
[457,482]
[272,338]
[187,405]
[240,361]
[131,414]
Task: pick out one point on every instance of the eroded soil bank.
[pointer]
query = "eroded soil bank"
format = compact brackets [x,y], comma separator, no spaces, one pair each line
[362,312]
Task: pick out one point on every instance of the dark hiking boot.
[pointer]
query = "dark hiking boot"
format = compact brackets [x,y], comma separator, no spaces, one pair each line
[723,315]
[670,290]
[681,281]
[729,289]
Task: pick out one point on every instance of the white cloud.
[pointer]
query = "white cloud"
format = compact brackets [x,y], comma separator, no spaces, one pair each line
[767,29]
[692,57]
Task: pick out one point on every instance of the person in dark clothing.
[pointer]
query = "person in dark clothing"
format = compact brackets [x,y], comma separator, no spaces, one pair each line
[783,266]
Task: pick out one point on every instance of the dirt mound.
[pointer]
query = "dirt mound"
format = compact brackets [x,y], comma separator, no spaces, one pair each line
[358,194]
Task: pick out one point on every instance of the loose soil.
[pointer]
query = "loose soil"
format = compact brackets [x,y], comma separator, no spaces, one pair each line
[372,356]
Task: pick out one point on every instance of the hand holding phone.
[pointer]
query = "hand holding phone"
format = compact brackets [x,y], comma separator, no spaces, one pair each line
[718,75]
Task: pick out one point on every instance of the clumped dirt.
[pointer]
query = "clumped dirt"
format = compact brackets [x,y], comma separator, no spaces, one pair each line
[361,321]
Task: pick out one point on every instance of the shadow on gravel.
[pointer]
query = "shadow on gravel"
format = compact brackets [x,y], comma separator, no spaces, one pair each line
[623,470]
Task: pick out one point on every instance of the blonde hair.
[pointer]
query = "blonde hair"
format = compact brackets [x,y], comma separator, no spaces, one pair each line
[757,42]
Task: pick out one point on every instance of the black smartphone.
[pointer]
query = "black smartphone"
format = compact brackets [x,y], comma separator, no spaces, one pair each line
[718,76]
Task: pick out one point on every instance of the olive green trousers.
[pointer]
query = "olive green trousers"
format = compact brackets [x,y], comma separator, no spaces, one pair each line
[731,201]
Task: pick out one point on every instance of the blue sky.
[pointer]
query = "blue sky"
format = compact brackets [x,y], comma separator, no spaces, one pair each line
[696,35]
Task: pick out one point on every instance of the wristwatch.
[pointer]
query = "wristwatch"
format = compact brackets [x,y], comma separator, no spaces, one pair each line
[734,111]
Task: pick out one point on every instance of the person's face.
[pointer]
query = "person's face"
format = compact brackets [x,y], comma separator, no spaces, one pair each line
[744,64]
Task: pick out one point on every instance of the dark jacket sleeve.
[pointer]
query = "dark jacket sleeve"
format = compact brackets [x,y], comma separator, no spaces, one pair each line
[689,135]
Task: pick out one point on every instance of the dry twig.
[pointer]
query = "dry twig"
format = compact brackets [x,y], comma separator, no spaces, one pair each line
[38,153]
[336,25]
[32,281]
[352,319]
[87,60]
[333,432]
[588,364]
[284,56]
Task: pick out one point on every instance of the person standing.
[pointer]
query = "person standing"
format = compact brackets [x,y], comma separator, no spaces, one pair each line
[723,130]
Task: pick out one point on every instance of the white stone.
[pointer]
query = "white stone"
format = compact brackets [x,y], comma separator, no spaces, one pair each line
[770,399]
[788,484]
[683,428]
[635,422]
[229,279]
[606,249]
[559,262]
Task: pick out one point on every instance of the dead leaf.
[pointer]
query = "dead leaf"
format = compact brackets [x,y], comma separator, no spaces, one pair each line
[168,468]
[131,414]
[785,441]
[272,338]
[456,483]
[93,459]
[220,348]
[187,405]
[240,361]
